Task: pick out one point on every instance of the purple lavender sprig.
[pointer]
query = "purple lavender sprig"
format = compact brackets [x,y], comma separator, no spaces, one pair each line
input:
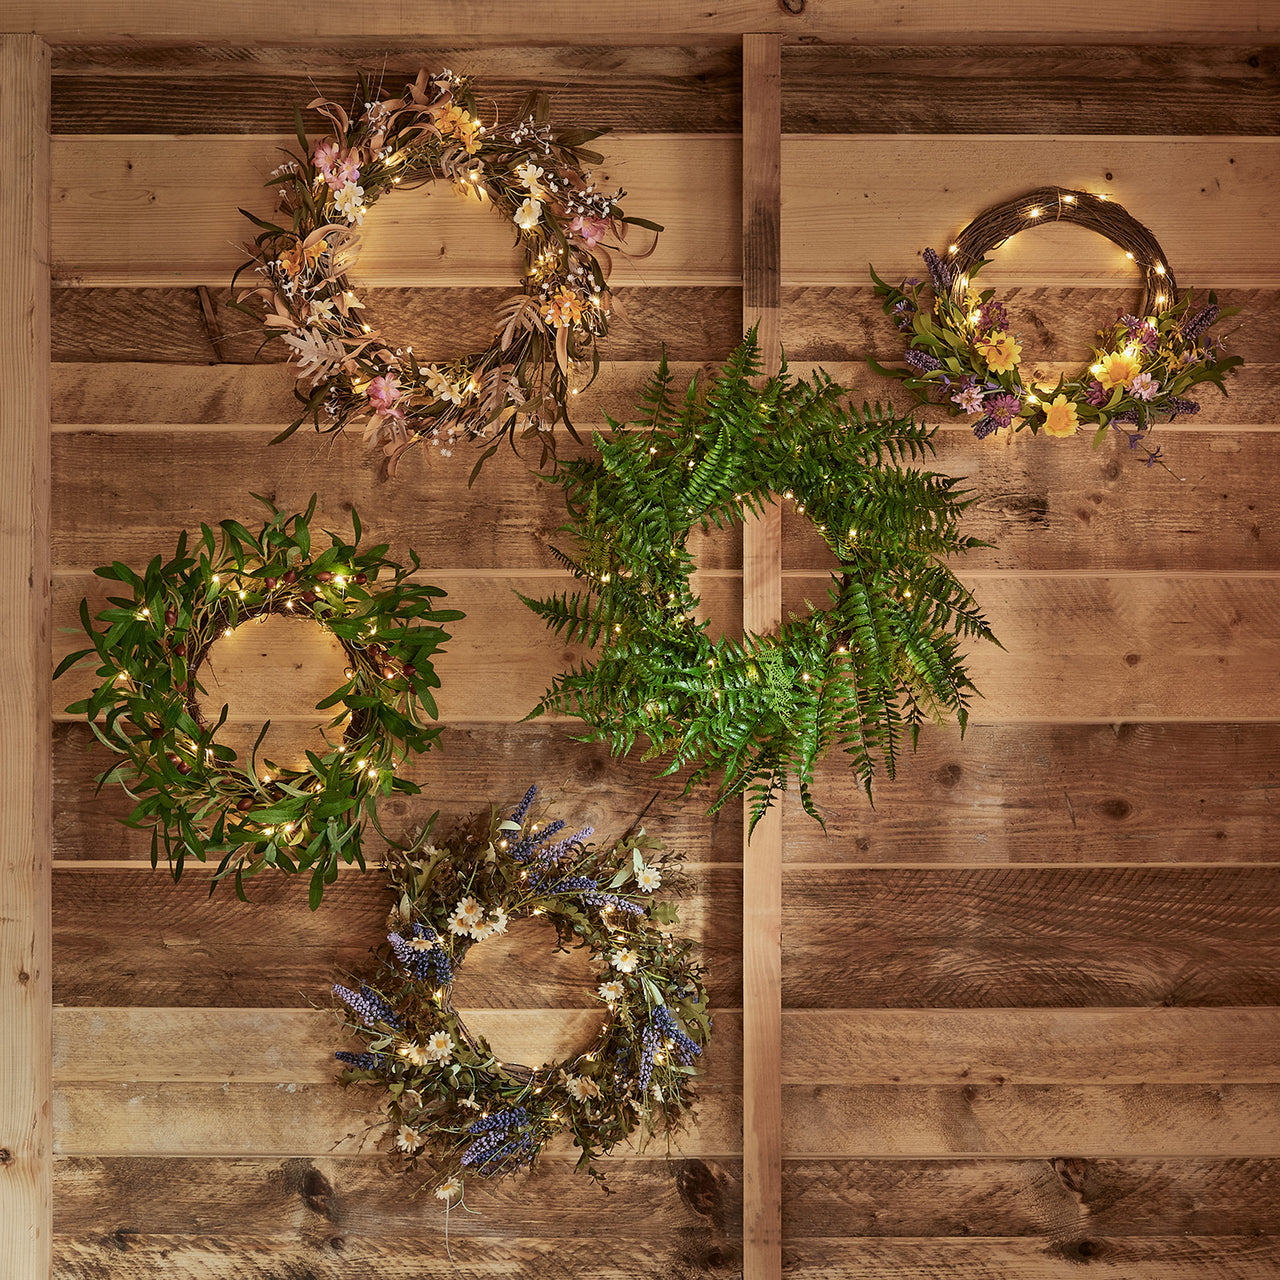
[523,807]
[368,1006]
[1195,325]
[662,1033]
[921,361]
[1179,405]
[430,963]
[939,272]
[612,900]
[361,1061]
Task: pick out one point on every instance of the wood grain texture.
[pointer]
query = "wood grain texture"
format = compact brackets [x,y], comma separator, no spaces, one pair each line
[1115,793]
[1031,1046]
[1121,1258]
[202,91]
[1028,89]
[881,199]
[131,938]
[1031,936]
[762,613]
[167,325]
[135,211]
[157,22]
[304,1201]
[1032,1120]
[476,766]
[1059,1198]
[25,960]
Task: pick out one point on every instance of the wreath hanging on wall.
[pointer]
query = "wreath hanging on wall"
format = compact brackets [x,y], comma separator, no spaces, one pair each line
[453,1106]
[535,177]
[962,348]
[192,792]
[859,675]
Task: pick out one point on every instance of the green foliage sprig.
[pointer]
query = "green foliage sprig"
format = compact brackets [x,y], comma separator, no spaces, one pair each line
[191,791]
[858,676]
[453,1106]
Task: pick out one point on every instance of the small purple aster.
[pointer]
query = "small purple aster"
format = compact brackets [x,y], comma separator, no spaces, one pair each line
[1097,394]
[992,315]
[1003,409]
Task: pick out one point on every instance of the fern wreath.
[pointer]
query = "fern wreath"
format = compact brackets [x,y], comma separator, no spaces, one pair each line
[859,675]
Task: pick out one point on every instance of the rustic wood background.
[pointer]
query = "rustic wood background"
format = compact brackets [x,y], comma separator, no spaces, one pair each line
[1030,1001]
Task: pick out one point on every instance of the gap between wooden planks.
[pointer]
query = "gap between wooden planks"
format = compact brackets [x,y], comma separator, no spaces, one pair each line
[762,613]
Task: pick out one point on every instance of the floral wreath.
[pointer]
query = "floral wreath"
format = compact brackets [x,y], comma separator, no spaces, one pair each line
[532,174]
[454,1107]
[192,791]
[879,661]
[962,347]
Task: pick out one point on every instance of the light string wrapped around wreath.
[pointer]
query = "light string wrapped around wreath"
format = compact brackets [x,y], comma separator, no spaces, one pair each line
[454,1108]
[191,791]
[859,675]
[534,176]
[962,347]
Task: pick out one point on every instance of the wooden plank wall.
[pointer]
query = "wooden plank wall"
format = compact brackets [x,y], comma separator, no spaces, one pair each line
[1030,1001]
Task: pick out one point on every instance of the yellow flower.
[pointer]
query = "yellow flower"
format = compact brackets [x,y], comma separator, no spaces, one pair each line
[999,350]
[1060,417]
[1118,369]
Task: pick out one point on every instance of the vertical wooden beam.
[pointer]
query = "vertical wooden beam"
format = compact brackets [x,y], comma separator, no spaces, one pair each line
[762,613]
[26,997]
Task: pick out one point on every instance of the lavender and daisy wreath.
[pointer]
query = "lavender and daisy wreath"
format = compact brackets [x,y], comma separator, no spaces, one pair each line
[535,177]
[962,351]
[453,1107]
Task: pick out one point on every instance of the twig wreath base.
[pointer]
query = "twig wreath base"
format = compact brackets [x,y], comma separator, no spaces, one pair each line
[535,177]
[454,1108]
[196,797]
[858,676]
[961,347]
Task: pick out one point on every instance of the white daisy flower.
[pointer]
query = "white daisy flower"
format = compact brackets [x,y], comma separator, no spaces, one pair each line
[469,910]
[349,202]
[529,173]
[458,925]
[449,1188]
[498,920]
[611,990]
[624,960]
[440,1047]
[528,214]
[648,878]
[407,1139]
[581,1089]
[415,1054]
[482,931]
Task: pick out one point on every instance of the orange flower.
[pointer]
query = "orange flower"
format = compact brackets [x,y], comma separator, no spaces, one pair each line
[453,120]
[999,350]
[301,256]
[565,308]
[1118,369]
[1060,418]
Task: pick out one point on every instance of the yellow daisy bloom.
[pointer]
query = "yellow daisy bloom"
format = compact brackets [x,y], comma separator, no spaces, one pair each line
[1118,369]
[1060,418]
[1000,351]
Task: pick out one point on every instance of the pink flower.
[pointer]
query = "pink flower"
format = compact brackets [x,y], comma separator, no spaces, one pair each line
[591,230]
[383,393]
[969,399]
[1144,387]
[348,170]
[326,153]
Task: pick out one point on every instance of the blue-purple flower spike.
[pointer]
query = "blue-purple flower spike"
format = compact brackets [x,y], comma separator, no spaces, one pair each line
[368,1006]
[922,361]
[939,272]
[523,808]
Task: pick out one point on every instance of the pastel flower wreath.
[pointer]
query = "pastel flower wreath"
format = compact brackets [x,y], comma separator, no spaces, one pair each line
[533,175]
[192,792]
[963,351]
[453,1107]
[861,675]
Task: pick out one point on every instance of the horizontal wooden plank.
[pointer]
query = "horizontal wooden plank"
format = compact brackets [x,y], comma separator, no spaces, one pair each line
[188,1117]
[884,198]
[1076,648]
[1053,793]
[667,90]
[147,211]
[131,938]
[474,767]
[1132,89]
[1030,1046]
[302,1201]
[1055,324]
[1040,503]
[168,325]
[1058,936]
[1062,1198]
[1044,1120]
[237,22]
[1119,648]
[334,1255]
[1123,1258]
